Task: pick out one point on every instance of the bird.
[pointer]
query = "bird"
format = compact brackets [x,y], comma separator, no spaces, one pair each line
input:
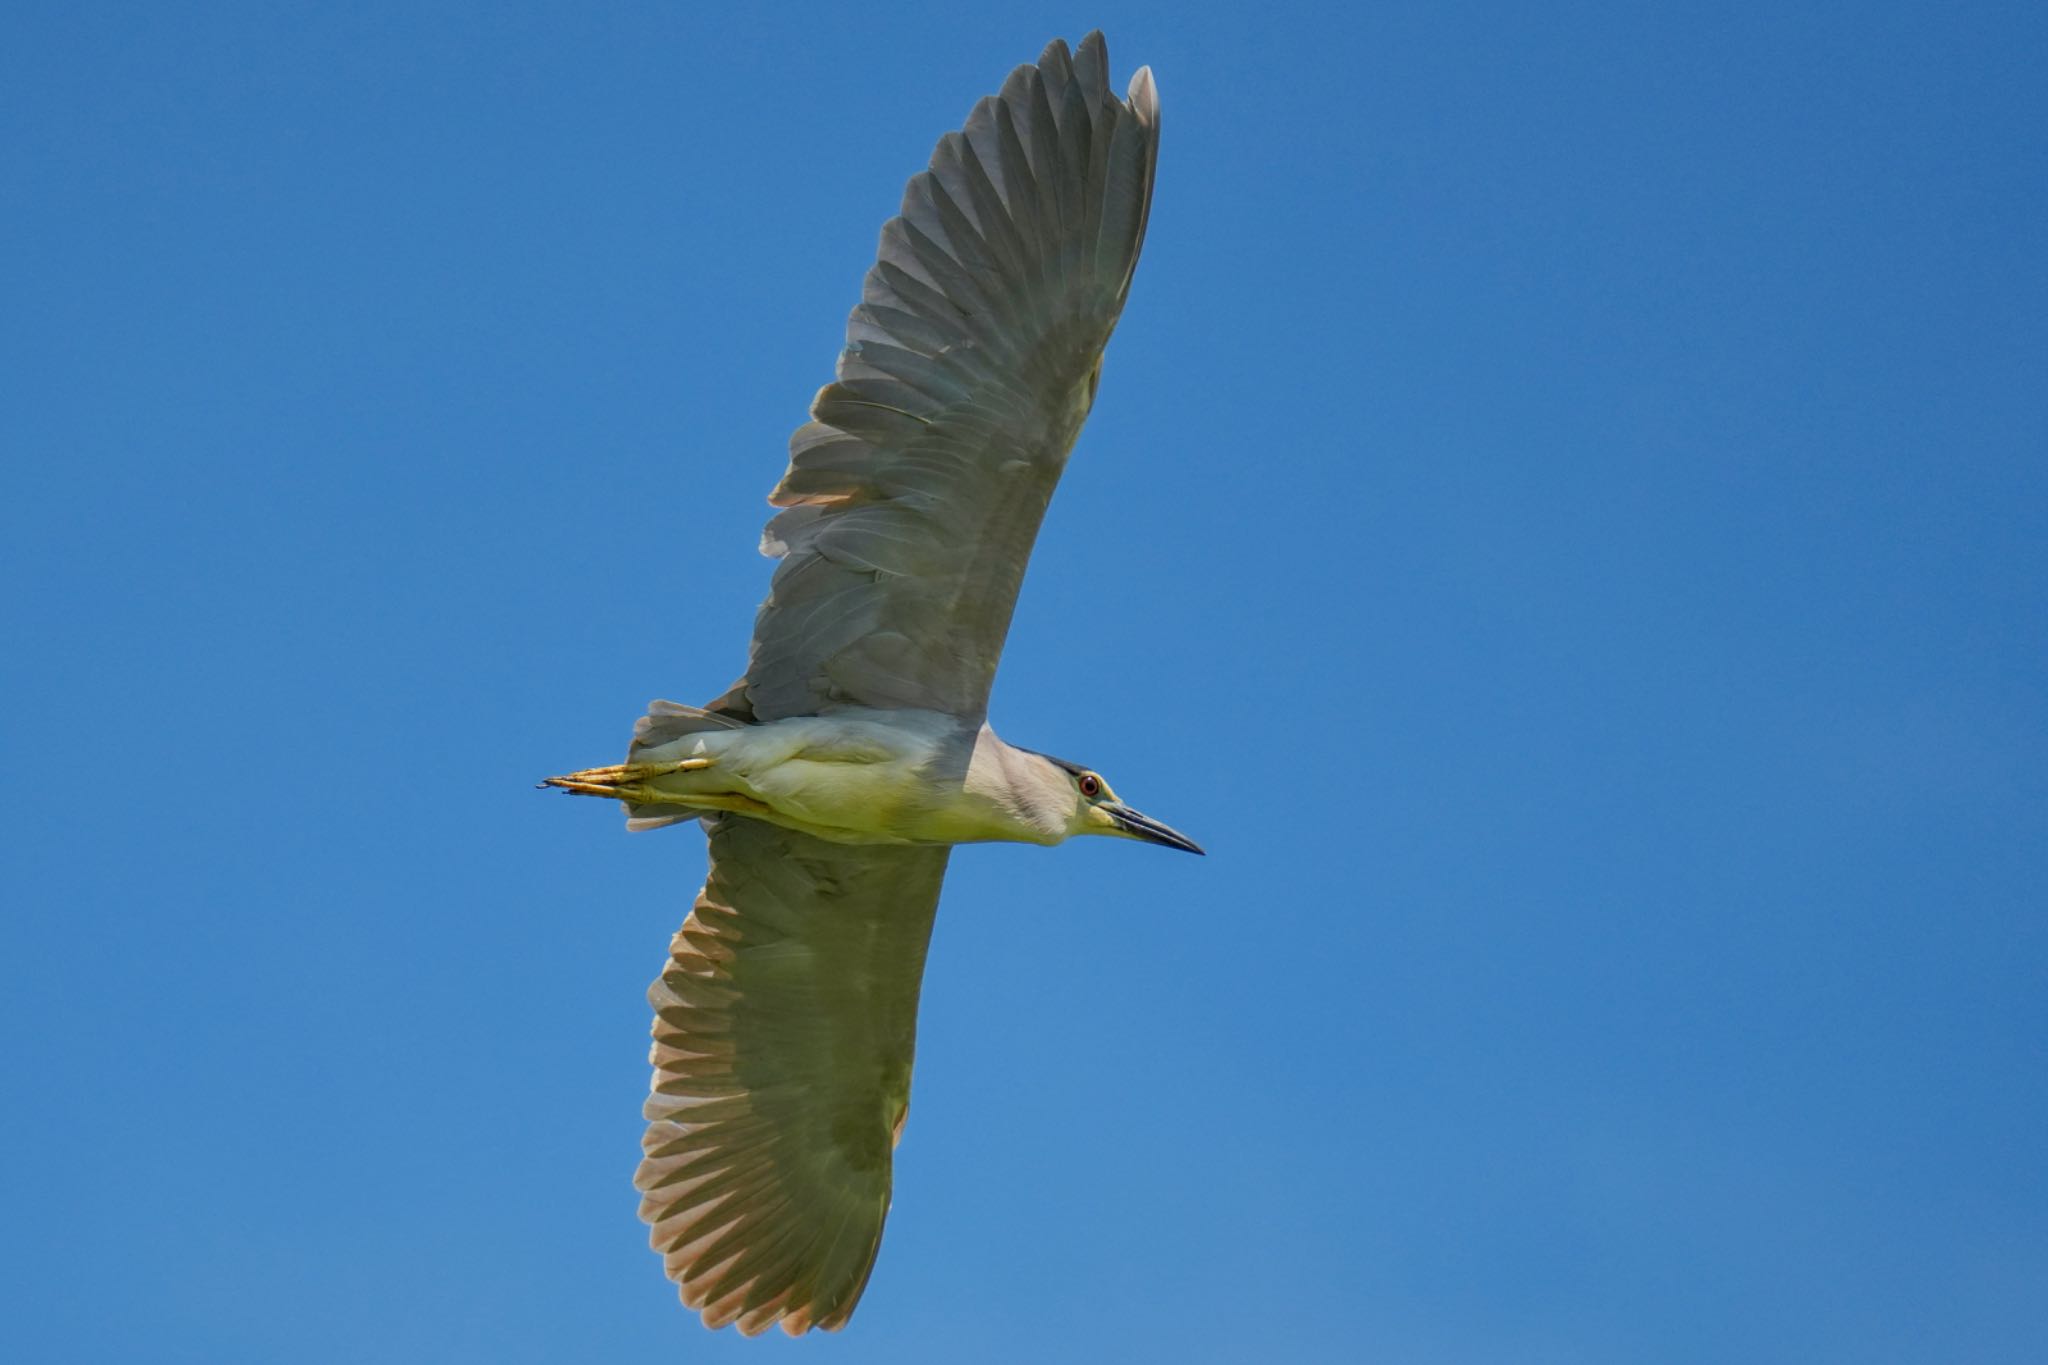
[835,777]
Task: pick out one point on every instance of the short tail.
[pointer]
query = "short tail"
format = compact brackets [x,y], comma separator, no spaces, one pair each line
[664,723]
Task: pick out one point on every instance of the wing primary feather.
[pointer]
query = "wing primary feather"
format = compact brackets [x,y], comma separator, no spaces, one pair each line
[786,1013]
[784,1018]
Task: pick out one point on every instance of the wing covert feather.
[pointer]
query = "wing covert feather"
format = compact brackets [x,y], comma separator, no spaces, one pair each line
[785,1020]
[785,1023]
[914,494]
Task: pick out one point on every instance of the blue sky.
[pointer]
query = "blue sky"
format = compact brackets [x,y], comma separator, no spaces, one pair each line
[1565,523]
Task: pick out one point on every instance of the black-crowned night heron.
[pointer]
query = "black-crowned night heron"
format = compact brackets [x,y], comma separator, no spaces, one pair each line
[836,776]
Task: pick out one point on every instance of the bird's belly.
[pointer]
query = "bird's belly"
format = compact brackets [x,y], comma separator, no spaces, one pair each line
[844,802]
[848,778]
[889,802]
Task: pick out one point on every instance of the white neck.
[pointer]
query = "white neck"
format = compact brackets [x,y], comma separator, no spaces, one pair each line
[1029,795]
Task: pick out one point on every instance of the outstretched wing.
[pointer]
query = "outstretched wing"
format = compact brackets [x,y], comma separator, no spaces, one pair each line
[783,1031]
[914,494]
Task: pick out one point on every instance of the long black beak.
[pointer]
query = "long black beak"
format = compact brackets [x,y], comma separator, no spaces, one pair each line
[1151,831]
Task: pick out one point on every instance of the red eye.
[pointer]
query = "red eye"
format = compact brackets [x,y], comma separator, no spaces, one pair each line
[1091,785]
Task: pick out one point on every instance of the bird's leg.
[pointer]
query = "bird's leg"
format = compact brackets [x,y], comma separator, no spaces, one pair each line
[634,782]
[627,781]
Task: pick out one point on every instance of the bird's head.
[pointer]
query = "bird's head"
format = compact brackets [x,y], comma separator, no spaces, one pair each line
[1096,809]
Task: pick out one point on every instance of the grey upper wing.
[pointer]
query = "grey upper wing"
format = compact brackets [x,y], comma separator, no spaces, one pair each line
[783,1032]
[914,494]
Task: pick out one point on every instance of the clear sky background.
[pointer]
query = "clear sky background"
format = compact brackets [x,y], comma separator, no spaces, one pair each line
[1566,523]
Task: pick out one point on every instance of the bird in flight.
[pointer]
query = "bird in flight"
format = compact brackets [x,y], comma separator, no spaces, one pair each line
[834,778]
